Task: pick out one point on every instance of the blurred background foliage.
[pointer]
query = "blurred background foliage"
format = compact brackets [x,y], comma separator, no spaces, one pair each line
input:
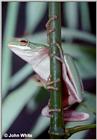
[22,99]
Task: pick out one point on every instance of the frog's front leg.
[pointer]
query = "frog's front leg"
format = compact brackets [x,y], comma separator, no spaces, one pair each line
[43,83]
[49,27]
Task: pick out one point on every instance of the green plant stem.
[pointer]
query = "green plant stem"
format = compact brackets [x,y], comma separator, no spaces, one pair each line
[71,131]
[56,122]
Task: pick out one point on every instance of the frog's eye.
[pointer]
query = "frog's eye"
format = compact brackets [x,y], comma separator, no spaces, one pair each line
[23,42]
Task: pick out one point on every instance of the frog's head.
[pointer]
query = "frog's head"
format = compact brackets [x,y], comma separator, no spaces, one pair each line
[24,49]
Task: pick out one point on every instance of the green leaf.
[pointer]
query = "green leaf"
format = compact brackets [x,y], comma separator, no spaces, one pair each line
[71,14]
[70,34]
[9,31]
[15,101]
[41,125]
[18,77]
[85,16]
[34,13]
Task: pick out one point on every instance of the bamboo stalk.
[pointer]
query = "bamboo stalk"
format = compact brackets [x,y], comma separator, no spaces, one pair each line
[56,121]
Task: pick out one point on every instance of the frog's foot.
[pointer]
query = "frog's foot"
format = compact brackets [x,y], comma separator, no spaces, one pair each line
[49,83]
[41,82]
[46,84]
[48,26]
